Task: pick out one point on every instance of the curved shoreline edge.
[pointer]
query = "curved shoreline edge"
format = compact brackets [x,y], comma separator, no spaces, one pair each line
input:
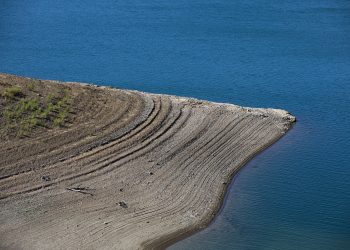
[128,170]
[167,241]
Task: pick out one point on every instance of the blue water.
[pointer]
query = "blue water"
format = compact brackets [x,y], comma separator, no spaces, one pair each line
[290,54]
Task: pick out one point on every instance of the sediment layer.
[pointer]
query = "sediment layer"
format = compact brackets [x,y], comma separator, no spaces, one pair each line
[131,170]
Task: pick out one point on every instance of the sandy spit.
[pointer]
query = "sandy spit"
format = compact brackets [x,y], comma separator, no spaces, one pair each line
[131,170]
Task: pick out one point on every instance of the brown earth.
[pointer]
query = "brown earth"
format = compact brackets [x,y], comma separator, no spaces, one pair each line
[125,170]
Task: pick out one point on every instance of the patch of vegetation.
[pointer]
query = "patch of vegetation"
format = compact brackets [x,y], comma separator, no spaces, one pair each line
[12,92]
[23,113]
[30,86]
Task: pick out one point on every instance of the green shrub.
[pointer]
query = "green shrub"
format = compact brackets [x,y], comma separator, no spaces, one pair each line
[30,86]
[12,92]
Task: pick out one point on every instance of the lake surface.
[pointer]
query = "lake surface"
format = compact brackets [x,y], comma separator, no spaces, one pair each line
[290,54]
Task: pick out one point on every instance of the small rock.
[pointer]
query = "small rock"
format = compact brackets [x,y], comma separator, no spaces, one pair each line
[121,189]
[122,204]
[46,178]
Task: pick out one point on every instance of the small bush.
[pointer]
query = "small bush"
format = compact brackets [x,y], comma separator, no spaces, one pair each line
[12,92]
[30,86]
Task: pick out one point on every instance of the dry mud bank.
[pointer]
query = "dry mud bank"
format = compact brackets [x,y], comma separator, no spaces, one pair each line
[128,170]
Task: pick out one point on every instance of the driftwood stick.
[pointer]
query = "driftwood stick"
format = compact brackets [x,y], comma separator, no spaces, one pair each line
[80,190]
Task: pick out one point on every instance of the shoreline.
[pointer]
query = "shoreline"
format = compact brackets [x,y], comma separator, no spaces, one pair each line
[156,167]
[171,240]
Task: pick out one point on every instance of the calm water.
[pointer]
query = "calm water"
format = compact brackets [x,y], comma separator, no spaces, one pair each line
[290,54]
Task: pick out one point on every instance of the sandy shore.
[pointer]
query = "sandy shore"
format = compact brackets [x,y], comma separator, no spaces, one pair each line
[130,170]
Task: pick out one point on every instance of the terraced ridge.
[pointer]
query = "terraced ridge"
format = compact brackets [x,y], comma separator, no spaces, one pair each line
[129,170]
